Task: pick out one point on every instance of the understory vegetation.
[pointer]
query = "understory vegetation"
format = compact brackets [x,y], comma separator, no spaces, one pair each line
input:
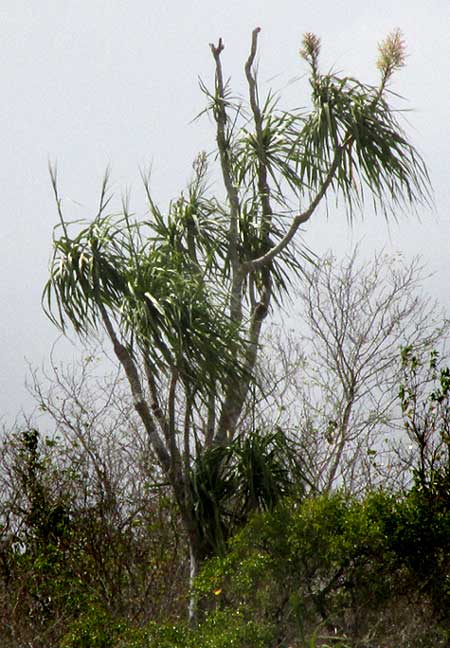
[93,554]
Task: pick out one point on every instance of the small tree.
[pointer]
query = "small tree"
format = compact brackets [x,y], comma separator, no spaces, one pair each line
[334,382]
[183,295]
[424,394]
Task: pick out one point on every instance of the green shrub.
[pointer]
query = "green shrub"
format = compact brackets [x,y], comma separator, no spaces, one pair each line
[154,635]
[93,629]
[231,628]
[335,566]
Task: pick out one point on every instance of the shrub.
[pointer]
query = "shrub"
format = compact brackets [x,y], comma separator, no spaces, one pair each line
[334,566]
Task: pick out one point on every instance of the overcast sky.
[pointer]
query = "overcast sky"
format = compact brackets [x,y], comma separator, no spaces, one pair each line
[92,83]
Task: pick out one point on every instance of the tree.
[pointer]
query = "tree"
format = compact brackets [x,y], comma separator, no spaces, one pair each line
[424,394]
[333,383]
[183,296]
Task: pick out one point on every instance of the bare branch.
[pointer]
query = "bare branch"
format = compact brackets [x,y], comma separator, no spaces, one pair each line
[223,145]
[263,185]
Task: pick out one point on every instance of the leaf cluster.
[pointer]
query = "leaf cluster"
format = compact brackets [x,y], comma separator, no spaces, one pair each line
[155,280]
[230,483]
[375,156]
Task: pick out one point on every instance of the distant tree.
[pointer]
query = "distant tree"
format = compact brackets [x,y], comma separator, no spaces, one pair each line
[183,295]
[333,382]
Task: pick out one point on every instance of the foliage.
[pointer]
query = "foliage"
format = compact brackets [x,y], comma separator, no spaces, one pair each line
[335,566]
[221,629]
[141,273]
[424,395]
[231,628]
[94,629]
[42,557]
[332,570]
[66,547]
[375,154]
[253,473]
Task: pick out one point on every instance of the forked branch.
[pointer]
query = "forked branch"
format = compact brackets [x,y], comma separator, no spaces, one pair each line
[298,220]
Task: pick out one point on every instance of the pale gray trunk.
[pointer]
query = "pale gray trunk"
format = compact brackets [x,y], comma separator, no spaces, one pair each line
[193,598]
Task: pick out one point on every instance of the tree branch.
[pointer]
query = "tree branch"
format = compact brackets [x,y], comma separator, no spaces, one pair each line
[154,399]
[298,220]
[221,118]
[140,405]
[263,185]
[174,452]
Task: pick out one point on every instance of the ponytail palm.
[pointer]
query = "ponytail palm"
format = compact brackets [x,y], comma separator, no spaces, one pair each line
[182,294]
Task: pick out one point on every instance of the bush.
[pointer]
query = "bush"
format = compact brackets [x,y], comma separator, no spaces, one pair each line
[93,629]
[334,566]
[221,629]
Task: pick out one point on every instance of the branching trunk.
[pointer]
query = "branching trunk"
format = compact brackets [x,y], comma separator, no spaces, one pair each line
[171,462]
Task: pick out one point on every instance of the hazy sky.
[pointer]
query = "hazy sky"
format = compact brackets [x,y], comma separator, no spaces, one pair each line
[92,83]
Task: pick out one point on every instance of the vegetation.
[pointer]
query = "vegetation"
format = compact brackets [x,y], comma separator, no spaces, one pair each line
[182,296]
[329,569]
[86,561]
[189,500]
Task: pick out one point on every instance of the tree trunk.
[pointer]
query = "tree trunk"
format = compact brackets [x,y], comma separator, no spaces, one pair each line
[194,566]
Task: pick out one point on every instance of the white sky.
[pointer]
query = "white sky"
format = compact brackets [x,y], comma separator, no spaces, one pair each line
[92,83]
